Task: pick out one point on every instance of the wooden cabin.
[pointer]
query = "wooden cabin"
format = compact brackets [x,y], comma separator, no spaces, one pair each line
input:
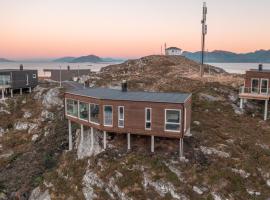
[256,87]
[126,112]
[17,79]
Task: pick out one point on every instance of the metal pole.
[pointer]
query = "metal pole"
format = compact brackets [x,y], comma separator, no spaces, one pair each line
[204,32]
[60,74]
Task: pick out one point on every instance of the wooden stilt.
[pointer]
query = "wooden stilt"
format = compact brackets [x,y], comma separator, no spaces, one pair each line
[69,136]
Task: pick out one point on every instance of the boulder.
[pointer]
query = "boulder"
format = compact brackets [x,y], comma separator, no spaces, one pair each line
[37,194]
[51,98]
[47,115]
[21,126]
[34,137]
[209,98]
[27,114]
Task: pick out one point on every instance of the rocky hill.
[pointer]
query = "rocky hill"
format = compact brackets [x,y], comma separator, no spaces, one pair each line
[227,153]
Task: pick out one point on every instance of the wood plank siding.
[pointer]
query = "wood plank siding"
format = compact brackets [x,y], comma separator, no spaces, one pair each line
[134,116]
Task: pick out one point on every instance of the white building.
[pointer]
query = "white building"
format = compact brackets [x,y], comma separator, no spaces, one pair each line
[173,51]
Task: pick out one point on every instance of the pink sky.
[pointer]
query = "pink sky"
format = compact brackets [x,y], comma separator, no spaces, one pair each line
[123,28]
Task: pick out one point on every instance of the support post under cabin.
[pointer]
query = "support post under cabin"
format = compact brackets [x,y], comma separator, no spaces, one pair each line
[82,135]
[265,110]
[3,94]
[104,139]
[152,143]
[20,91]
[92,137]
[181,148]
[30,90]
[69,136]
[128,141]
[241,103]
[11,93]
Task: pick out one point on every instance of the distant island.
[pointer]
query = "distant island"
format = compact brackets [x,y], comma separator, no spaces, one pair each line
[89,58]
[5,60]
[219,56]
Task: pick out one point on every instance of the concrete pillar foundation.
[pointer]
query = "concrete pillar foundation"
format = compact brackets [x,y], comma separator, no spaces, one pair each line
[3,94]
[265,110]
[92,137]
[128,141]
[69,136]
[181,148]
[241,103]
[82,133]
[152,143]
[104,140]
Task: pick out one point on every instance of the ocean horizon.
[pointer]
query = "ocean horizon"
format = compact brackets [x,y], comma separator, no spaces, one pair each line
[238,68]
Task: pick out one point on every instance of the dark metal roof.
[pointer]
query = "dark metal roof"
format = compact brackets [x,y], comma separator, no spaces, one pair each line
[113,94]
[173,48]
[263,70]
[15,70]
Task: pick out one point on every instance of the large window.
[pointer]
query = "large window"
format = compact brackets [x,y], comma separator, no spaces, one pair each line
[5,80]
[148,118]
[94,113]
[108,116]
[264,86]
[72,107]
[255,85]
[121,116]
[84,111]
[172,120]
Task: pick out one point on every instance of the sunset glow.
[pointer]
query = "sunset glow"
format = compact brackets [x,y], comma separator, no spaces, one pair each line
[124,28]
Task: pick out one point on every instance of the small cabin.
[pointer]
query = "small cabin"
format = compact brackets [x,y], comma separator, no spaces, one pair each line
[17,79]
[173,51]
[63,74]
[153,114]
[256,87]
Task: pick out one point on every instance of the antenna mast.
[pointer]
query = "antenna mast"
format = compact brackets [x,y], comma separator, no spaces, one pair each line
[204,32]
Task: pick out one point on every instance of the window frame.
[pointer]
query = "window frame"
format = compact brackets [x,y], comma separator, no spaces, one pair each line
[147,121]
[258,88]
[165,121]
[111,125]
[119,107]
[79,115]
[66,110]
[90,121]
[264,79]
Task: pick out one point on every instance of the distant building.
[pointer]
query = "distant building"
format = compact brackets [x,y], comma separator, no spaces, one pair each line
[256,87]
[173,51]
[17,79]
[64,74]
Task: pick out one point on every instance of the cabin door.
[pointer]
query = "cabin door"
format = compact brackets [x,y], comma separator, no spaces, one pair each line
[264,86]
[255,85]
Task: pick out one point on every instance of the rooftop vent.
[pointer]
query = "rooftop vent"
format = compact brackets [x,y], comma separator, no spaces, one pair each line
[124,86]
[260,67]
[21,67]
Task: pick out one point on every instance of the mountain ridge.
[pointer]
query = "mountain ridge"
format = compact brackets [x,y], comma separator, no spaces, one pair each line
[5,60]
[89,58]
[221,56]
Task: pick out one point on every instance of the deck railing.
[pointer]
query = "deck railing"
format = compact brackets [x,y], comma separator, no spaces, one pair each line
[254,90]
